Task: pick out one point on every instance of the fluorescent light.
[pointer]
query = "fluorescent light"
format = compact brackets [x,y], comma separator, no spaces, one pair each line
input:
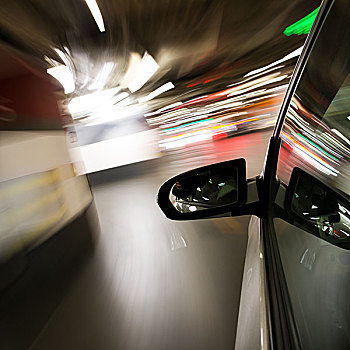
[264,82]
[294,53]
[157,92]
[170,106]
[147,67]
[95,100]
[64,76]
[96,13]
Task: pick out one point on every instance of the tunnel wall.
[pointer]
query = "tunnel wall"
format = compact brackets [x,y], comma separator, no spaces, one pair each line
[40,191]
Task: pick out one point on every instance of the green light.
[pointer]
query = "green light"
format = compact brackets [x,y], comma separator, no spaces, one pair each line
[303,26]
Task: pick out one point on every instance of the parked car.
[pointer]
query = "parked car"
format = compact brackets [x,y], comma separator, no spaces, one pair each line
[296,282]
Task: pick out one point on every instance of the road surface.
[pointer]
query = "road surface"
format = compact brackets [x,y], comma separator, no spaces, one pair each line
[150,283]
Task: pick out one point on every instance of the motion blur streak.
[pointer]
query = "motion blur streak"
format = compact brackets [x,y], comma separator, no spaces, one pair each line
[64,76]
[127,94]
[166,87]
[329,153]
[310,157]
[147,67]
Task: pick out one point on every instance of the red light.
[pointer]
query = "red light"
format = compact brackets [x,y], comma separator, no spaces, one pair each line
[219,136]
[288,146]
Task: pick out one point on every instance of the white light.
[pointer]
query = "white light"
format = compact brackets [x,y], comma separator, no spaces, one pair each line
[96,13]
[337,132]
[123,103]
[89,102]
[120,97]
[295,53]
[133,66]
[102,76]
[262,82]
[166,87]
[200,136]
[145,70]
[63,57]
[176,104]
[64,76]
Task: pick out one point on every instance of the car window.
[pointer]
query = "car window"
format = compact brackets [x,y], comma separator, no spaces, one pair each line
[314,170]
[315,135]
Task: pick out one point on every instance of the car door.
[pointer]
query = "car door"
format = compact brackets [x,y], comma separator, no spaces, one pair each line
[306,224]
[296,277]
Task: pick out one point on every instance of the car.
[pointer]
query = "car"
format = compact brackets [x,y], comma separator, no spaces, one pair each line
[296,279]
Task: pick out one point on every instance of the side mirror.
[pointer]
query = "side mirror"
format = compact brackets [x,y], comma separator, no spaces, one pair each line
[204,192]
[320,209]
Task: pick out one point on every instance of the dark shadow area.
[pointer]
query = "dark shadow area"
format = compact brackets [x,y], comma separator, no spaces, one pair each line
[27,304]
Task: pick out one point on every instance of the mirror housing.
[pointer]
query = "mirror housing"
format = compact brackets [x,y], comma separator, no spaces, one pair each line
[209,191]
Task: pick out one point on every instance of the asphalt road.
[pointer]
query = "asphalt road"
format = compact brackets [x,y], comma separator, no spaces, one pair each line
[152,283]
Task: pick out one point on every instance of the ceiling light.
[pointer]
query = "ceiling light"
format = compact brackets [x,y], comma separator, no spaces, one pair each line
[96,13]
[64,76]
[147,67]
[87,103]
[157,92]
[294,53]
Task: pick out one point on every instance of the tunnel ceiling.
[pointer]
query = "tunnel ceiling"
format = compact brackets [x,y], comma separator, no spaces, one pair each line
[189,39]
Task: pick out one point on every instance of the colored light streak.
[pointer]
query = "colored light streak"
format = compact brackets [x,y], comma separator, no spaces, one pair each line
[217,127]
[318,147]
[312,157]
[303,26]
[187,124]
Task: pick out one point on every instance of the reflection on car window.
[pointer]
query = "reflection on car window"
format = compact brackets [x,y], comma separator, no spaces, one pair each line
[313,246]
[316,132]
[337,116]
[205,190]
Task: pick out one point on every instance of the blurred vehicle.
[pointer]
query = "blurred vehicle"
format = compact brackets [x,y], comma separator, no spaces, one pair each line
[106,145]
[296,277]
[108,130]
